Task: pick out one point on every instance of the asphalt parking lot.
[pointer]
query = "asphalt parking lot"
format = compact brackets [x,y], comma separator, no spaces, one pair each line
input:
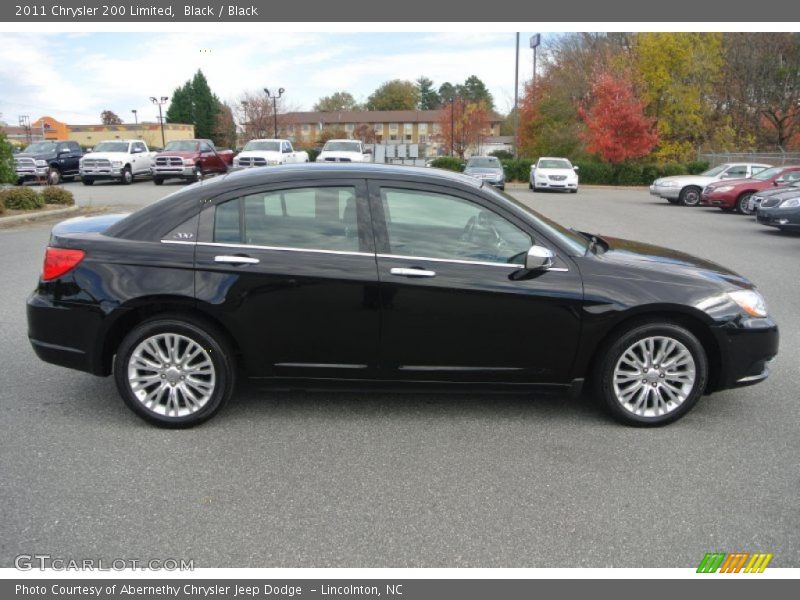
[297,479]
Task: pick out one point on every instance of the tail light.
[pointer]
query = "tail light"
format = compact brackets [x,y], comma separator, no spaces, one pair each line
[58,261]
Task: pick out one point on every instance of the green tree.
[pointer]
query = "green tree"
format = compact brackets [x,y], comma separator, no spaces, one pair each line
[474,90]
[428,96]
[195,103]
[394,95]
[447,91]
[206,107]
[336,102]
[7,174]
[181,106]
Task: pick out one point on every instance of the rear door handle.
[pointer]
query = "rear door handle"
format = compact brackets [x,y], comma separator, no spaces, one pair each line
[403,272]
[236,260]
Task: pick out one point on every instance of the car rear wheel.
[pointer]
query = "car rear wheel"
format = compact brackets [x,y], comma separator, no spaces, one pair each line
[743,204]
[174,372]
[690,196]
[652,374]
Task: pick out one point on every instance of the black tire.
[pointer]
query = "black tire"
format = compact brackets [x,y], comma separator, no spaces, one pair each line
[87,181]
[742,202]
[127,176]
[613,351]
[20,181]
[53,176]
[530,185]
[690,196]
[575,191]
[198,174]
[158,181]
[208,338]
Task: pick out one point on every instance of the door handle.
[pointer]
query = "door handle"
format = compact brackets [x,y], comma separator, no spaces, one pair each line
[402,272]
[236,260]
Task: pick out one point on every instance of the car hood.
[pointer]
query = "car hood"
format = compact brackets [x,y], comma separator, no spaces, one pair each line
[44,156]
[181,153]
[660,259]
[543,171]
[340,154]
[483,171]
[108,155]
[683,180]
[260,154]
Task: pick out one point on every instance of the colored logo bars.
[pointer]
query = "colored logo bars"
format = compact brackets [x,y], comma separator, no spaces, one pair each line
[735,562]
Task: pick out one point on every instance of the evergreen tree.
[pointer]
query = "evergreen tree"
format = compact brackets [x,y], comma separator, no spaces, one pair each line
[181,106]
[474,90]
[7,174]
[428,97]
[195,103]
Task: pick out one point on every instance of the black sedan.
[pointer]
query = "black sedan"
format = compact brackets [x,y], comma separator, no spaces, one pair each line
[781,210]
[365,274]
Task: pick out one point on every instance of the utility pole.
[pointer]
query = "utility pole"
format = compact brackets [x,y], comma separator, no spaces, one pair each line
[516,96]
[535,41]
[160,102]
[275,107]
[136,120]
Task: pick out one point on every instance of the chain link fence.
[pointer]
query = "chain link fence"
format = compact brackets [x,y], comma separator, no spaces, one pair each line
[777,159]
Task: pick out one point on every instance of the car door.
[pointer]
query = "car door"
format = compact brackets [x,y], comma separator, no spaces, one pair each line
[456,302]
[290,269]
[288,153]
[211,163]
[141,159]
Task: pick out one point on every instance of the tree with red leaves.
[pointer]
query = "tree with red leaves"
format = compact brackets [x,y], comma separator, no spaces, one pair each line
[616,126]
[463,125]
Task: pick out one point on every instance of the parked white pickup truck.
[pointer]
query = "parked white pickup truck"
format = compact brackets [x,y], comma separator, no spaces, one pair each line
[343,151]
[122,160]
[260,153]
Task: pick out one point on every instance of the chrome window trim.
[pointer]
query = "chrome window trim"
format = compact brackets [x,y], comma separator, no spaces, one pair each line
[276,248]
[354,253]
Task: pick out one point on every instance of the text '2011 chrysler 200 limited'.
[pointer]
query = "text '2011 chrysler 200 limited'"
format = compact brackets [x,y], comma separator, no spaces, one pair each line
[396,275]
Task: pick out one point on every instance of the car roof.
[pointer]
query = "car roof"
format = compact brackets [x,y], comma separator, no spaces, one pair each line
[344,140]
[269,140]
[140,225]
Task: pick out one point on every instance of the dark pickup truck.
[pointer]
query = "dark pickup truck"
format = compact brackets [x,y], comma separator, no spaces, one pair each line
[50,161]
[191,160]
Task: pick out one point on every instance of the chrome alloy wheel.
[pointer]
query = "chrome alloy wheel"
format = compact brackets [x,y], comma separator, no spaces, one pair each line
[171,375]
[654,376]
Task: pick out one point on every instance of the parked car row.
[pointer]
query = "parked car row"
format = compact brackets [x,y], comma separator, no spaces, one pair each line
[771,193]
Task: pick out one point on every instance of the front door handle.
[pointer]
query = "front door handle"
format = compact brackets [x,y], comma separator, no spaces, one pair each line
[236,260]
[403,272]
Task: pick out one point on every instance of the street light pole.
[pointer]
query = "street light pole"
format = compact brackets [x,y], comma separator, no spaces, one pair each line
[135,119]
[160,102]
[275,107]
[535,41]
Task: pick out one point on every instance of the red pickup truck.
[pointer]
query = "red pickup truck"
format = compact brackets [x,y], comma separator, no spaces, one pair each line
[191,160]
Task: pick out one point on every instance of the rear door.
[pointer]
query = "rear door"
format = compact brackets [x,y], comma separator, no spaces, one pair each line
[290,269]
[457,303]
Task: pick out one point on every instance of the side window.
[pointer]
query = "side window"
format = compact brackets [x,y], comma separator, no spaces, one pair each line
[755,170]
[429,224]
[204,147]
[736,172]
[321,218]
[62,148]
[792,176]
[139,146]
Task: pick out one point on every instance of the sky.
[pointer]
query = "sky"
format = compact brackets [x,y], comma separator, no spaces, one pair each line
[73,77]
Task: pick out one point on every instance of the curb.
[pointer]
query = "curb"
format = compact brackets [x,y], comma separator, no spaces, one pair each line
[38,216]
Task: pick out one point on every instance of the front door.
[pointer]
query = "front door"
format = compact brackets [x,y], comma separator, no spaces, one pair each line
[457,303]
[291,271]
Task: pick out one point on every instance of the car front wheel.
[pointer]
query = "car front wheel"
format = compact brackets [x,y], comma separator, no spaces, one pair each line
[174,372]
[652,374]
[743,204]
[690,196]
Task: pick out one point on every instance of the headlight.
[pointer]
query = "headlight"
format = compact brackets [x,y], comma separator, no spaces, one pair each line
[750,301]
[722,188]
[116,163]
[41,163]
[188,162]
[273,162]
[790,203]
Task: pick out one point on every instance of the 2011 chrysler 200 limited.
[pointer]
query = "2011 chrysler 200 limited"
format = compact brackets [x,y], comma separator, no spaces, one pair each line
[397,275]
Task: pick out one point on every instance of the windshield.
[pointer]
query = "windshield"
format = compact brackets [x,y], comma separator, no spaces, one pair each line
[577,243]
[111,147]
[39,147]
[554,163]
[715,171]
[266,146]
[768,173]
[181,146]
[483,162]
[342,147]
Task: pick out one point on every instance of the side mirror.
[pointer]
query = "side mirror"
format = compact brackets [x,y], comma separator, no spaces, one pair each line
[576,168]
[539,258]
[368,151]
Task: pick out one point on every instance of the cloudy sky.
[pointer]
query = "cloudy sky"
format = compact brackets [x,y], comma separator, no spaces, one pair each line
[74,76]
